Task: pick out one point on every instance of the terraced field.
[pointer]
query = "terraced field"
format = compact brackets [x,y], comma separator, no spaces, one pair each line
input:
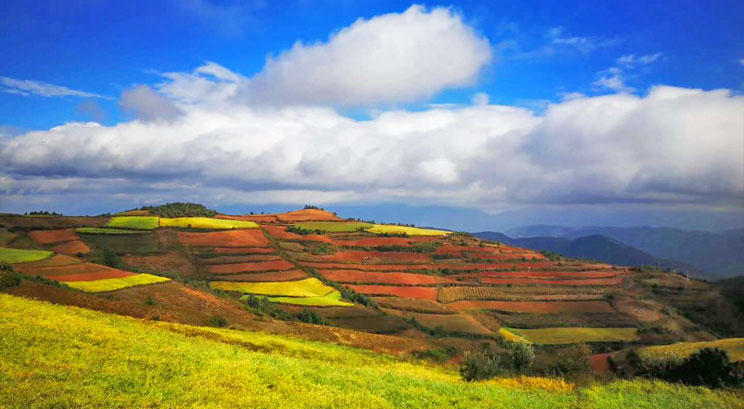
[564,335]
[12,256]
[134,222]
[206,223]
[680,351]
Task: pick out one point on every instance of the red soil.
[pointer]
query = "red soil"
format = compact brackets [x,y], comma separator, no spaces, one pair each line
[251,258]
[281,233]
[246,267]
[426,293]
[169,263]
[307,215]
[55,260]
[72,248]
[71,269]
[258,218]
[374,257]
[375,241]
[230,238]
[544,274]
[601,364]
[404,267]
[355,276]
[289,275]
[591,281]
[534,307]
[53,236]
[244,250]
[504,256]
[102,275]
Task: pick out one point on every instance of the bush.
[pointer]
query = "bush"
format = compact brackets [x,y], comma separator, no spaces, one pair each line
[9,280]
[481,364]
[522,355]
[440,355]
[149,301]
[5,266]
[180,210]
[573,361]
[711,367]
[218,321]
[311,317]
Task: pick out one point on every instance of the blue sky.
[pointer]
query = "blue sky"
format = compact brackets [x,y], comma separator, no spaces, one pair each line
[78,61]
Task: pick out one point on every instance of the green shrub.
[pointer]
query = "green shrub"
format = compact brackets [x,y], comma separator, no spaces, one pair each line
[218,321]
[149,301]
[5,266]
[9,280]
[571,362]
[440,355]
[481,364]
[711,367]
[311,317]
[180,210]
[522,355]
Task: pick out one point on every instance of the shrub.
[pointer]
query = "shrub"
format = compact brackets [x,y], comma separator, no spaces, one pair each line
[440,355]
[5,266]
[522,355]
[218,321]
[149,301]
[9,280]
[481,364]
[571,362]
[711,367]
[180,210]
[311,317]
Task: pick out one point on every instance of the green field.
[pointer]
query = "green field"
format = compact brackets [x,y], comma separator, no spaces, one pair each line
[103,230]
[572,335]
[411,231]
[11,256]
[206,223]
[6,237]
[112,284]
[681,350]
[123,243]
[333,299]
[66,357]
[334,227]
[309,287]
[134,222]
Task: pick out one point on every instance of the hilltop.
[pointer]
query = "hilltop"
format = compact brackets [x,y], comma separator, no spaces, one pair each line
[397,290]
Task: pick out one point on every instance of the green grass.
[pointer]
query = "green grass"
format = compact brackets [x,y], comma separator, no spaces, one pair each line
[206,223]
[112,284]
[66,357]
[681,350]
[411,231]
[6,237]
[123,243]
[309,287]
[134,222]
[101,230]
[11,256]
[572,335]
[334,227]
[333,299]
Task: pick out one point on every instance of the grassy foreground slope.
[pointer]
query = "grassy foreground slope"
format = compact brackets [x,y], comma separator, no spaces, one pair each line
[56,356]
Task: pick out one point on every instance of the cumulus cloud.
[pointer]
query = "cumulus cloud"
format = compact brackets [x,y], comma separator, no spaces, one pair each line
[44,89]
[672,146]
[148,105]
[392,58]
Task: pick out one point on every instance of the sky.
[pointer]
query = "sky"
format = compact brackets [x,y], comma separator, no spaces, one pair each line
[603,113]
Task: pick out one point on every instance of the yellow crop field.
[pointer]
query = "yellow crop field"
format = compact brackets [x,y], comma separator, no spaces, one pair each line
[68,357]
[309,287]
[573,335]
[333,299]
[512,337]
[134,222]
[681,350]
[11,256]
[206,223]
[112,284]
[411,231]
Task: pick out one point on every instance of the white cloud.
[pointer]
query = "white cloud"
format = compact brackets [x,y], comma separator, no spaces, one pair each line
[148,105]
[480,98]
[557,36]
[44,89]
[392,58]
[612,82]
[632,60]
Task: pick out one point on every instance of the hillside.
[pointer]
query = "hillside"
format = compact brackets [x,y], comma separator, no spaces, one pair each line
[393,289]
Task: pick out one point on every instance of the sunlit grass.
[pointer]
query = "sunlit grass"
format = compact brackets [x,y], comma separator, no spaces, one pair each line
[112,284]
[571,335]
[100,230]
[309,287]
[681,350]
[334,227]
[134,222]
[11,256]
[411,231]
[206,223]
[333,299]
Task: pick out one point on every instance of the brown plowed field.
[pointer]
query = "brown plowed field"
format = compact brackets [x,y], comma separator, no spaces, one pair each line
[281,233]
[53,236]
[102,275]
[403,267]
[504,256]
[590,281]
[171,262]
[230,238]
[451,322]
[289,275]
[375,241]
[244,250]
[258,218]
[72,248]
[82,268]
[546,307]
[426,293]
[415,305]
[356,276]
[238,259]
[545,274]
[307,215]
[373,257]
[246,267]
[517,293]
[54,261]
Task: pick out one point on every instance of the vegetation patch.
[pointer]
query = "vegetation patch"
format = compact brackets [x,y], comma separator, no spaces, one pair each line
[574,335]
[206,223]
[122,243]
[133,222]
[405,230]
[333,227]
[113,284]
[332,299]
[289,275]
[103,230]
[12,256]
[309,287]
[534,307]
[681,350]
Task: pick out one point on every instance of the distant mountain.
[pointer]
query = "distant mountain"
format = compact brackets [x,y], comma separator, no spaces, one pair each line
[595,247]
[717,253]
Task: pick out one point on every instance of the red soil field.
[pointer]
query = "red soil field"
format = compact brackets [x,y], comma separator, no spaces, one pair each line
[251,258]
[230,238]
[72,248]
[601,364]
[290,275]
[374,257]
[306,215]
[504,256]
[375,241]
[355,276]
[246,267]
[258,218]
[425,293]
[405,267]
[545,274]
[54,261]
[102,275]
[533,307]
[53,236]
[82,268]
[450,322]
[590,281]
[243,250]
[281,233]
